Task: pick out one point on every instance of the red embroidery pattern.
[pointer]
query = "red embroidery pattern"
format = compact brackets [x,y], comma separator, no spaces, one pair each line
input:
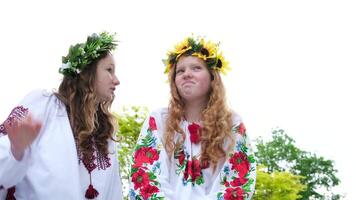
[191,168]
[237,174]
[194,133]
[11,193]
[144,170]
[17,113]
[102,163]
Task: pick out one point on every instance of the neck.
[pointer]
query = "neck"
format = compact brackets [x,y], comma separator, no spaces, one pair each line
[193,110]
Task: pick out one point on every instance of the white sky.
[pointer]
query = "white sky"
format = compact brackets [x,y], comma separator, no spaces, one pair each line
[292,60]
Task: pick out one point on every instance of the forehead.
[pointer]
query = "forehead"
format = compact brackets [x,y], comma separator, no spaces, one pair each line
[107,60]
[190,60]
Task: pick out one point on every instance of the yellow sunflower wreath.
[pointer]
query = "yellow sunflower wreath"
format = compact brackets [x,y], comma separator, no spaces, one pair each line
[207,51]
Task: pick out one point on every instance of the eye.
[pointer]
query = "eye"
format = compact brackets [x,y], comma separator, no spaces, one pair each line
[179,71]
[197,68]
[110,69]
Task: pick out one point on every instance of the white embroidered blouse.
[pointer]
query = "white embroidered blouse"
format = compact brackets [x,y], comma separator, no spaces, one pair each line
[156,176]
[50,168]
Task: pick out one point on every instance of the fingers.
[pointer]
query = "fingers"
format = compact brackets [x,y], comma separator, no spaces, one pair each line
[23,129]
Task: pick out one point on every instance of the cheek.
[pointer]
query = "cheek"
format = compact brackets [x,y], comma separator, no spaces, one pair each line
[176,81]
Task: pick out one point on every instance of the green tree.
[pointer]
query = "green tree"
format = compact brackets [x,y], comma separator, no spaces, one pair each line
[130,121]
[281,154]
[277,185]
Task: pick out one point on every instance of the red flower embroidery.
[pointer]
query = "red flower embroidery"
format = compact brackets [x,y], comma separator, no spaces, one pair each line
[238,181]
[181,157]
[242,129]
[148,190]
[205,164]
[195,169]
[227,184]
[240,163]
[194,133]
[192,169]
[234,194]
[145,155]
[188,170]
[152,124]
[140,178]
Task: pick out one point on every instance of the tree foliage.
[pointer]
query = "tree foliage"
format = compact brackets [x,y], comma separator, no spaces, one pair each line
[277,185]
[281,155]
[130,121]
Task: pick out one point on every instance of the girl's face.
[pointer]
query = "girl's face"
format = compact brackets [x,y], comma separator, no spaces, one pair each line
[106,80]
[193,79]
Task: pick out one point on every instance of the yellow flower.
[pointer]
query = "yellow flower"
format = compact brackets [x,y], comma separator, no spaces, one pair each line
[222,64]
[199,55]
[205,50]
[211,47]
[182,47]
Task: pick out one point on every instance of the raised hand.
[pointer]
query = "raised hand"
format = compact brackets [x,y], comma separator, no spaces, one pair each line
[22,132]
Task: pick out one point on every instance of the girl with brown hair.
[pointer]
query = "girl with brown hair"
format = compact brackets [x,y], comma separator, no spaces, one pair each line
[61,145]
[197,148]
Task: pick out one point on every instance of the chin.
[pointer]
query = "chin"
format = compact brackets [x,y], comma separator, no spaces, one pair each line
[105,98]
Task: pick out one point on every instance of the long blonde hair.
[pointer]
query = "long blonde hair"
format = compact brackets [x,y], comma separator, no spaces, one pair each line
[216,120]
[92,124]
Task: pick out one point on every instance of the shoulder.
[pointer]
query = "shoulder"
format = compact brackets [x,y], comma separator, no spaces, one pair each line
[236,119]
[159,113]
[157,118]
[37,95]
[40,101]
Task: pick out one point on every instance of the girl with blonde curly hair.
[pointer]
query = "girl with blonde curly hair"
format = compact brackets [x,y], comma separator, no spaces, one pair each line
[197,148]
[61,145]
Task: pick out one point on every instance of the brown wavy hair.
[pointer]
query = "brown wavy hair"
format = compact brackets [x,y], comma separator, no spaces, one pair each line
[216,122]
[92,123]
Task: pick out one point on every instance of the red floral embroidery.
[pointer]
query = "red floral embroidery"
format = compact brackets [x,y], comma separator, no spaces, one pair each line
[140,178]
[196,169]
[152,124]
[145,155]
[240,163]
[238,181]
[234,194]
[181,157]
[194,133]
[144,178]
[242,129]
[188,170]
[227,184]
[205,164]
[148,190]
[193,170]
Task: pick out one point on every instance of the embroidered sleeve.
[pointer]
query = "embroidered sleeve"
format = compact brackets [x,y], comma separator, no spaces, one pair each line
[238,175]
[17,113]
[146,164]
[12,171]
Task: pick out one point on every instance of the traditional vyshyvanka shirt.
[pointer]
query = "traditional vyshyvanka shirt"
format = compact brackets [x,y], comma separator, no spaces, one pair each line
[155,175]
[50,167]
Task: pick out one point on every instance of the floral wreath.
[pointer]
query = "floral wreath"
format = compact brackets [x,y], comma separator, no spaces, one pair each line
[83,54]
[197,46]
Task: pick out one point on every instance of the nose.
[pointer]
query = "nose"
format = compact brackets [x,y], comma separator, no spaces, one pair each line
[187,74]
[116,81]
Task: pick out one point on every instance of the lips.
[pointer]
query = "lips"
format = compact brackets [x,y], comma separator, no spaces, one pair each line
[187,82]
